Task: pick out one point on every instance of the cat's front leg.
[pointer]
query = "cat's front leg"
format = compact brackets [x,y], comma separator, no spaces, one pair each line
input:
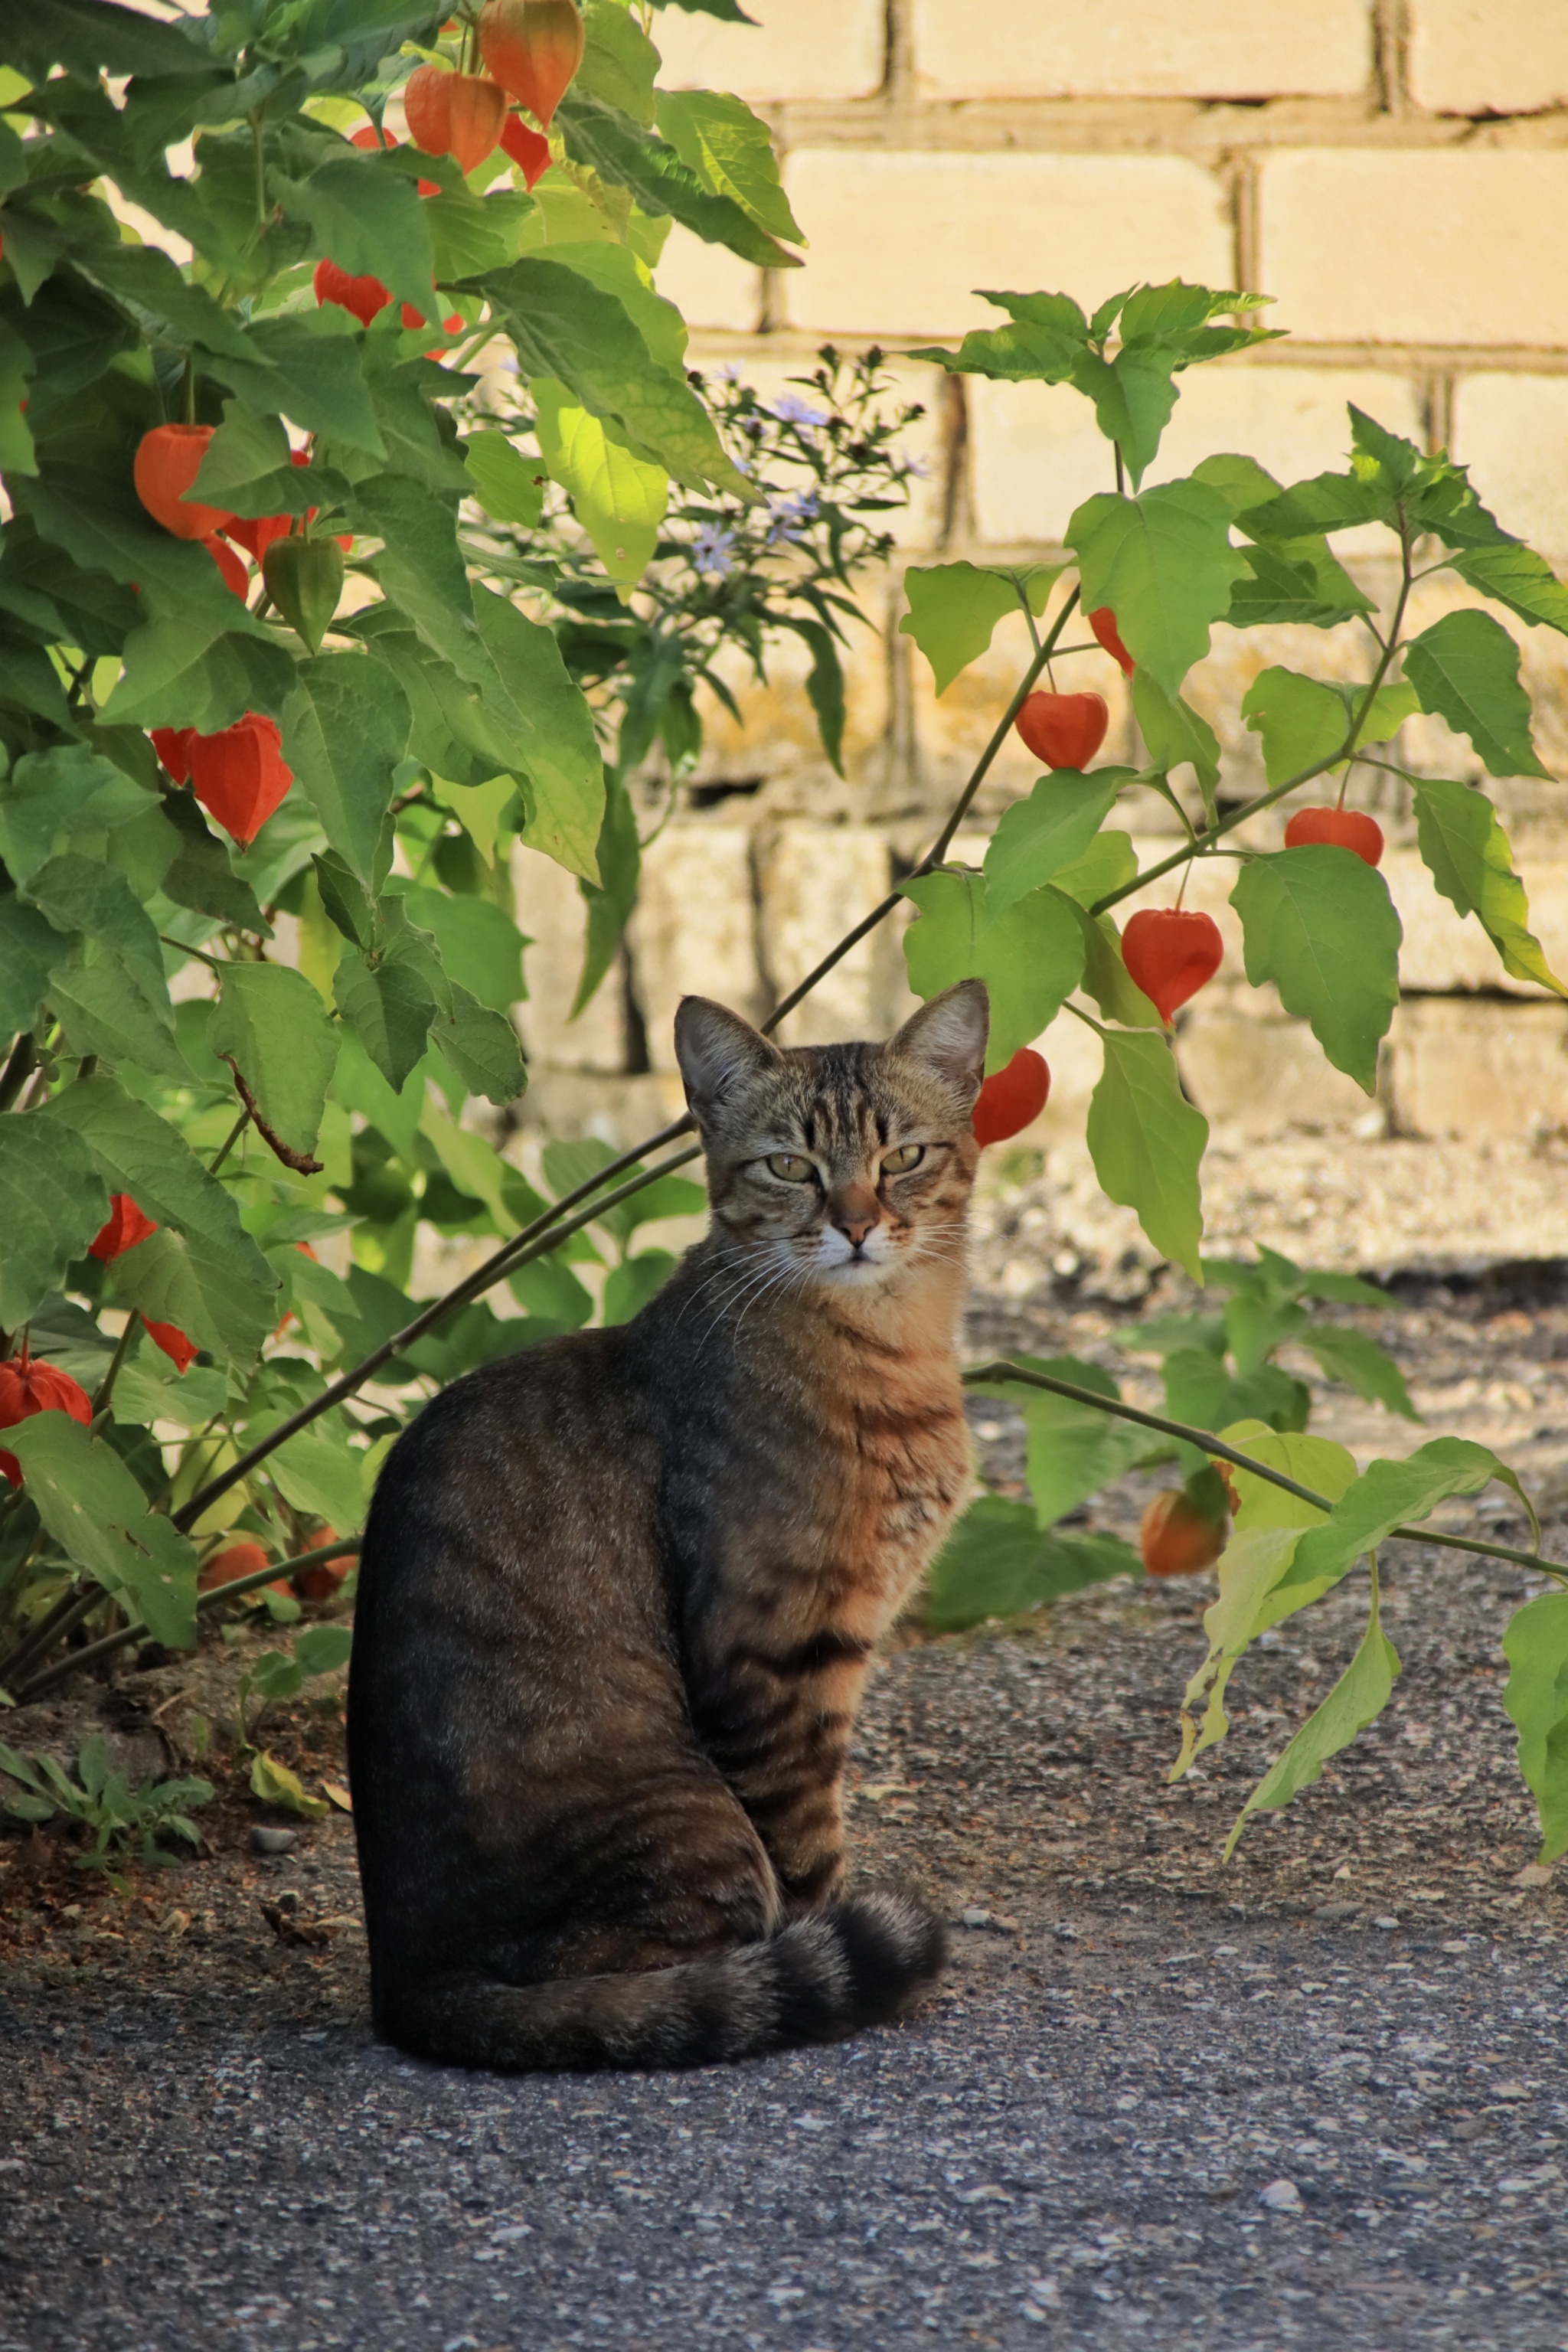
[776,1718]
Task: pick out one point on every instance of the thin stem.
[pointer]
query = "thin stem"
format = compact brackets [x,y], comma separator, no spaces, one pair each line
[259,150]
[230,1139]
[32,1644]
[205,1602]
[122,1349]
[1205,1440]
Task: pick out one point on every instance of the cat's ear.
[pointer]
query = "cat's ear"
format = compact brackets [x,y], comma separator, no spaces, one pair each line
[949,1034]
[717,1051]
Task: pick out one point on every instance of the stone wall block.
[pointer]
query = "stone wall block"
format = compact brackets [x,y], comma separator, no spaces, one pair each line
[1416,245]
[709,286]
[551,914]
[815,882]
[694,931]
[900,239]
[793,50]
[1470,57]
[1142,48]
[1251,1069]
[1480,1072]
[776,739]
[1511,431]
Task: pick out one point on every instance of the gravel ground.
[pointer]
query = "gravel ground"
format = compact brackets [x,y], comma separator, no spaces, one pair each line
[1316,2097]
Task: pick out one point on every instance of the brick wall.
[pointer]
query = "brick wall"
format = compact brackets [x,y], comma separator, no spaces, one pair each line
[1395,174]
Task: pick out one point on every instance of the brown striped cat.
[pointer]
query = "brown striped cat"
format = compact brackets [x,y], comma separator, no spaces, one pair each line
[619,1593]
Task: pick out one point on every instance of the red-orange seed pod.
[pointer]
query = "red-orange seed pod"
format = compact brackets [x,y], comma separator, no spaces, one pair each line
[167,462]
[533,47]
[26,1389]
[454,115]
[239,774]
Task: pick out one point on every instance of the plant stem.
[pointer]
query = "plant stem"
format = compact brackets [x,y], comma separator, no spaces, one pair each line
[24,1061]
[1209,1443]
[32,1644]
[230,1139]
[205,1602]
[122,1349]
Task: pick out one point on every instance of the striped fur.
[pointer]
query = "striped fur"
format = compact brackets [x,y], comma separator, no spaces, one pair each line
[619,1594]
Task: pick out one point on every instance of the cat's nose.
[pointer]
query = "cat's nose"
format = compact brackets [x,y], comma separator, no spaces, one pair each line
[855,1211]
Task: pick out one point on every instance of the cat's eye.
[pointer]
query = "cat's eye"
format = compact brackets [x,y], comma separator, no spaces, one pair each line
[790,1167]
[899,1163]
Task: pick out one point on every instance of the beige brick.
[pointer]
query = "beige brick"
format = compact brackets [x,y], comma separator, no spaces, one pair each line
[550,911]
[815,883]
[1511,431]
[1253,1071]
[900,239]
[1403,247]
[694,931]
[1470,57]
[1141,49]
[1443,950]
[709,286]
[798,48]
[1037,452]
[1480,1071]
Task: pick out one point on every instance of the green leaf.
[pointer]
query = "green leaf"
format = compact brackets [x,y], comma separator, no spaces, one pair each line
[275,1784]
[1030,958]
[95,1510]
[1052,829]
[629,1286]
[1108,864]
[1147,1144]
[1358,1698]
[273,1028]
[954,609]
[508,487]
[1295,580]
[1535,1645]
[731,153]
[1174,734]
[1519,578]
[618,497]
[30,951]
[345,727]
[102,526]
[363,214]
[1073,1451]
[140,1153]
[825,686]
[1043,345]
[316,1474]
[620,63]
[421,567]
[1319,923]
[1134,396]
[1303,721]
[1105,975]
[1464,668]
[115,1001]
[997,1563]
[565,776]
[50,797]
[247,468]
[610,900]
[206,674]
[1327,502]
[1468,857]
[1387,1495]
[202,876]
[565,326]
[627,156]
[1164,564]
[52,1205]
[481,947]
[1350,1356]
[481,1047]
[389,1005]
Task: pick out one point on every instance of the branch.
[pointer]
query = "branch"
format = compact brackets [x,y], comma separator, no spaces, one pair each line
[205,1601]
[1207,1442]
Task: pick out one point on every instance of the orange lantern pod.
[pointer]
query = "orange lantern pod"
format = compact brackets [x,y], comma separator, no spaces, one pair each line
[1065,731]
[182,1352]
[172,745]
[1102,624]
[320,1582]
[125,1228]
[235,1561]
[455,114]
[363,297]
[528,151]
[533,47]
[168,460]
[1170,955]
[239,774]
[234,576]
[367,138]
[26,1389]
[1336,829]
[1011,1098]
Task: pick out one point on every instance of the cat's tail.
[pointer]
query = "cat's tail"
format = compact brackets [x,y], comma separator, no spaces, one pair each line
[861,1962]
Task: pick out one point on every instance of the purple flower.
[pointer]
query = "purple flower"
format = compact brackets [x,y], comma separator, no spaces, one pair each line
[710,550]
[790,516]
[792,411]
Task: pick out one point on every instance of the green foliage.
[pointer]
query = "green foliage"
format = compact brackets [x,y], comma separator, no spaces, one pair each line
[124,1823]
[1321,925]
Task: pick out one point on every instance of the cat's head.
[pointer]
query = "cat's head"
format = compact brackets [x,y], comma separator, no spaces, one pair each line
[851,1164]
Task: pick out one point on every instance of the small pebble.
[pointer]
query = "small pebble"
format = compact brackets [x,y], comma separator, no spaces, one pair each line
[1282,2197]
[269,1841]
[1385,1923]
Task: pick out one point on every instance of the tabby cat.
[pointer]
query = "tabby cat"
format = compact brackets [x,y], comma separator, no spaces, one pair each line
[619,1592]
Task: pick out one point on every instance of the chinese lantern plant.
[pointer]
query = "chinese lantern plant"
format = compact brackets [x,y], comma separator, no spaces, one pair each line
[301,711]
